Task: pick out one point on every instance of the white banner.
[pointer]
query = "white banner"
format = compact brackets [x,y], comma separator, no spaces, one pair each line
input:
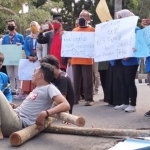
[26,69]
[115,39]
[77,44]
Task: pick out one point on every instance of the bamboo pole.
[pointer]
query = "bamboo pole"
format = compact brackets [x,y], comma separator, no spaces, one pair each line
[98,131]
[76,120]
[20,137]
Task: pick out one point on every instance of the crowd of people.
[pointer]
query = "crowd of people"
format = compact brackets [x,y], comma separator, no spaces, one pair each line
[53,81]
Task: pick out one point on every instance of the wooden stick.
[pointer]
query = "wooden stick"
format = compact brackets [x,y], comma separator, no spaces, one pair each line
[76,120]
[98,131]
[19,137]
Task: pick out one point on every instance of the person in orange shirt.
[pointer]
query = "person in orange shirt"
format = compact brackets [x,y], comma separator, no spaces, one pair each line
[82,67]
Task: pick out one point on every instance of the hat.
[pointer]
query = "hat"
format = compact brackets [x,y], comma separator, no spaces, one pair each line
[57,17]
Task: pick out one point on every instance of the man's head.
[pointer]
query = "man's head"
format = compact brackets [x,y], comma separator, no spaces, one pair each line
[11,25]
[1,59]
[43,74]
[84,18]
[52,60]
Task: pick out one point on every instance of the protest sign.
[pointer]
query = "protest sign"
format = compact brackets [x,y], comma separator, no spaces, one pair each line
[142,43]
[12,54]
[115,39]
[26,69]
[103,11]
[77,44]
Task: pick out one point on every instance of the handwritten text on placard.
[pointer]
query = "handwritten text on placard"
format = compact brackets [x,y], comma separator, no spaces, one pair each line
[12,54]
[26,69]
[143,43]
[78,44]
[115,39]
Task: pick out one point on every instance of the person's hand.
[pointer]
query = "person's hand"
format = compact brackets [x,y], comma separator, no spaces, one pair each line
[69,62]
[34,59]
[126,58]
[18,44]
[41,30]
[30,58]
[41,119]
[12,105]
[134,49]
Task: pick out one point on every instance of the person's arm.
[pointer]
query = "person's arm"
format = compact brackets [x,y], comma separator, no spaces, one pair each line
[7,93]
[62,106]
[43,39]
[26,47]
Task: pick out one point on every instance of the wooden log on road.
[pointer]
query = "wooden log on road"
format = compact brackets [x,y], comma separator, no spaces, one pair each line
[98,131]
[19,137]
[76,120]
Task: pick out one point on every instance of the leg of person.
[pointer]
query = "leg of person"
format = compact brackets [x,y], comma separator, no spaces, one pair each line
[125,94]
[9,121]
[18,82]
[148,77]
[103,74]
[88,84]
[130,73]
[77,74]
[10,72]
[97,78]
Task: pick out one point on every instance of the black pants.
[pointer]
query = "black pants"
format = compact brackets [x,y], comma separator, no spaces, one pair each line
[126,76]
[84,71]
[103,74]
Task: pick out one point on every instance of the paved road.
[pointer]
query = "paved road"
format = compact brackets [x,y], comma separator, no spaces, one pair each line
[100,115]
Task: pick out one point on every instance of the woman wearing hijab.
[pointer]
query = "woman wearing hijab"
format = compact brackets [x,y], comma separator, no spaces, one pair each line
[30,51]
[126,69]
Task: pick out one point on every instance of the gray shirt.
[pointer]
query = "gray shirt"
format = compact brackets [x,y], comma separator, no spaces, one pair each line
[38,100]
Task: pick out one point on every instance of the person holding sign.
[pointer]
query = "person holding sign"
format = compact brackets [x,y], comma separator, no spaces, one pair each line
[82,67]
[13,38]
[30,51]
[126,70]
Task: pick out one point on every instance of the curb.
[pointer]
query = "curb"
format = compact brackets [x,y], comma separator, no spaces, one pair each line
[141,81]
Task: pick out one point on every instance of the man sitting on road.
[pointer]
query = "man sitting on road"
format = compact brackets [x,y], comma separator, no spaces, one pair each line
[36,107]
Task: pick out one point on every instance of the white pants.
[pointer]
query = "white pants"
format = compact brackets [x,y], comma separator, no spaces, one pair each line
[12,72]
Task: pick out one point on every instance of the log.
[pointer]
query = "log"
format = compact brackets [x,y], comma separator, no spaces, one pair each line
[76,120]
[20,137]
[98,131]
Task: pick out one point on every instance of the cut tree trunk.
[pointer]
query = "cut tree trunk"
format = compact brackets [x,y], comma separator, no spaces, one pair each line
[76,120]
[98,131]
[19,137]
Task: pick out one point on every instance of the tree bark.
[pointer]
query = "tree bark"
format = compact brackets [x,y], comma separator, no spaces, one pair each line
[117,6]
[8,10]
[98,131]
[76,120]
[20,137]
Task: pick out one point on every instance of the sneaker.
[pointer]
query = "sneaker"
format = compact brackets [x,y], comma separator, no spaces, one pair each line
[130,109]
[89,103]
[121,107]
[147,114]
[19,97]
[13,92]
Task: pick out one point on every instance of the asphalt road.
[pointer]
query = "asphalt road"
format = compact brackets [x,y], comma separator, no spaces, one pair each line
[99,115]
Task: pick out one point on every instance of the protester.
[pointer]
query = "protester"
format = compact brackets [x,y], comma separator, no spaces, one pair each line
[36,107]
[83,65]
[126,70]
[13,38]
[42,49]
[4,85]
[30,51]
[61,80]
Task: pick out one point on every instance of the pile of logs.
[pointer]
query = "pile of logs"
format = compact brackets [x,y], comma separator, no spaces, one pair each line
[18,138]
